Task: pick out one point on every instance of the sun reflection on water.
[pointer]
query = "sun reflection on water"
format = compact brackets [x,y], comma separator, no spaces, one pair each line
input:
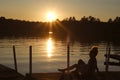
[49,47]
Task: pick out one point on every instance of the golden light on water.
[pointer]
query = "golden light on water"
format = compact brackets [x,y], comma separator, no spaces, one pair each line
[50,32]
[49,47]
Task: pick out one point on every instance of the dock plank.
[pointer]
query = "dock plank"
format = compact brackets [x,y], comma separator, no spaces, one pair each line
[113,75]
[7,73]
[46,76]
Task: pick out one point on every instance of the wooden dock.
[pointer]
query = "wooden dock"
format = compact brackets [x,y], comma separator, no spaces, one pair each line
[7,73]
[46,76]
[11,74]
[55,76]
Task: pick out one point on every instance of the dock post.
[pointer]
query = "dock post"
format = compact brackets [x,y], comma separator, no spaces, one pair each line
[30,60]
[68,56]
[68,61]
[15,61]
[107,59]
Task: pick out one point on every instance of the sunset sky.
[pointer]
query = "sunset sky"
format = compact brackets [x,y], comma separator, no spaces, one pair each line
[37,10]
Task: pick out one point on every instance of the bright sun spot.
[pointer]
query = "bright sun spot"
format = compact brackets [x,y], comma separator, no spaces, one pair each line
[51,16]
[49,47]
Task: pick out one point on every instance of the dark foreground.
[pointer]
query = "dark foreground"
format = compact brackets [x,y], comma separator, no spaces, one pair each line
[55,76]
[7,73]
[10,74]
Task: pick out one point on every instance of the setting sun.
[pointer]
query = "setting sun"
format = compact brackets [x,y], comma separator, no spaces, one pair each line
[51,16]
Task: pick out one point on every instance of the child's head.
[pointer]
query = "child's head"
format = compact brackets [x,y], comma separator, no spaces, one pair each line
[93,51]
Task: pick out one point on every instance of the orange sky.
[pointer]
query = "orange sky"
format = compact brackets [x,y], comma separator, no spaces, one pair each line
[36,10]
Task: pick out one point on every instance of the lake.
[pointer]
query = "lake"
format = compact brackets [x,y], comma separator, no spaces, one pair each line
[50,54]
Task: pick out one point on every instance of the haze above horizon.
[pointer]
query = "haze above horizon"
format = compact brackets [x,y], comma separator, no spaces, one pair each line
[37,10]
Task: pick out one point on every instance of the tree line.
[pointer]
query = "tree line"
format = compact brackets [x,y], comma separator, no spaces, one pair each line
[87,28]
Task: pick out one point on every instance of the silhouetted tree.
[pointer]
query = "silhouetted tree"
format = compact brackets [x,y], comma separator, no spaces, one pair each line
[74,19]
[117,19]
[66,19]
[2,18]
[84,19]
[58,20]
[110,20]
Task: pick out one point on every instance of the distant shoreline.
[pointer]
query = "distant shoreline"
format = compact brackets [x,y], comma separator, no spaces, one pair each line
[87,29]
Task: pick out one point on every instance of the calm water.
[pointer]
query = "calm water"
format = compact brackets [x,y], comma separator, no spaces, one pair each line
[50,54]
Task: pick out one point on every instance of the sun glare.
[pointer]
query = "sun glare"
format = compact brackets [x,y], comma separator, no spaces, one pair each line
[51,16]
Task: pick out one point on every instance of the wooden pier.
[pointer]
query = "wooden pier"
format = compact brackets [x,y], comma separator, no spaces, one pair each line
[7,73]
[114,75]
[45,76]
